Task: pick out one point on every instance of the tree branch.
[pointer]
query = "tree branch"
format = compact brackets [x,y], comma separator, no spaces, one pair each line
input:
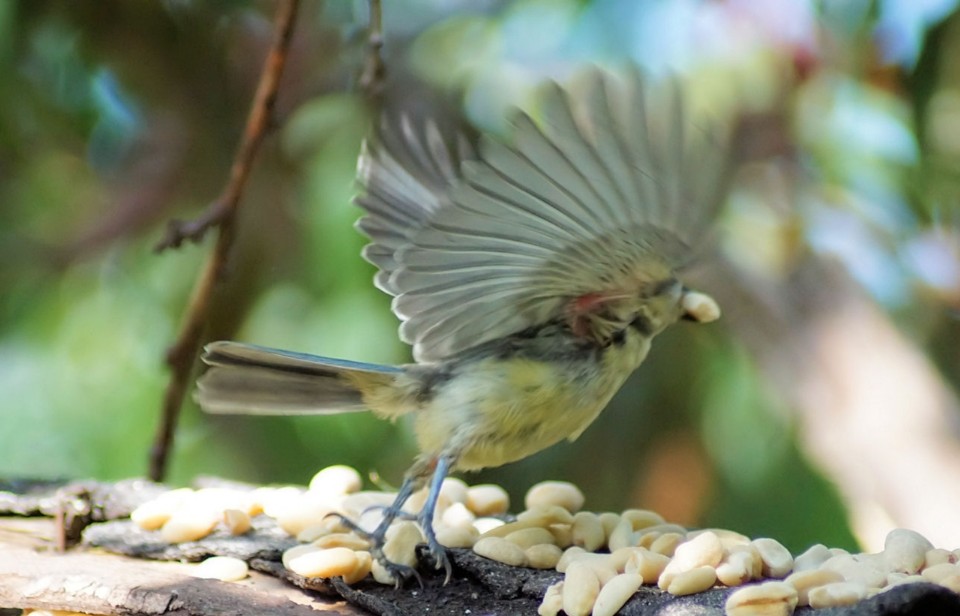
[371,79]
[109,584]
[221,213]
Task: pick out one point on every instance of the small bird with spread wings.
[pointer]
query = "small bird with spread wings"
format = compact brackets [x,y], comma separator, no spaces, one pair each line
[529,276]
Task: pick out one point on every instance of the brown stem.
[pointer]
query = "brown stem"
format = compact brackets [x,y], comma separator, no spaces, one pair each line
[221,214]
[371,80]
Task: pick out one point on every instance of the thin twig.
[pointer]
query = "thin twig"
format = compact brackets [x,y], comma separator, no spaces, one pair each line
[371,79]
[223,207]
[221,214]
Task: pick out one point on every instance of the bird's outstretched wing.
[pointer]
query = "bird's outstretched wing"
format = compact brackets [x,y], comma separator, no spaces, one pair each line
[612,189]
[407,173]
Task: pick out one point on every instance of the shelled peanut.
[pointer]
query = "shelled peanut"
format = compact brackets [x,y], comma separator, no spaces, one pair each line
[605,557]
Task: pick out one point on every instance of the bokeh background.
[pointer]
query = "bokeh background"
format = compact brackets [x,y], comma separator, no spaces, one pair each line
[822,408]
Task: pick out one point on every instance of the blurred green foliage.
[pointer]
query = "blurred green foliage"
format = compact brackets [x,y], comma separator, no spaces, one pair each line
[117,116]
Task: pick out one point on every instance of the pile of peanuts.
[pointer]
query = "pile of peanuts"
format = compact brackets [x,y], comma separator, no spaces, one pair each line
[605,557]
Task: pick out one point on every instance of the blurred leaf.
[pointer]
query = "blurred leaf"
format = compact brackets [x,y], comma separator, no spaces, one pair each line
[315,123]
[452,50]
[744,436]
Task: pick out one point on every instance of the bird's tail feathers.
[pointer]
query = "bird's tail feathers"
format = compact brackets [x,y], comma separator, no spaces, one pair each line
[250,379]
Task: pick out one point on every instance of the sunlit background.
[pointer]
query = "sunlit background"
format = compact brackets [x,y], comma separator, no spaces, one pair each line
[822,408]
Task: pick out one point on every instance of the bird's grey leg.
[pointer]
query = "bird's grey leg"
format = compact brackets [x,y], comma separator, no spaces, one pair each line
[434,469]
[425,518]
[378,536]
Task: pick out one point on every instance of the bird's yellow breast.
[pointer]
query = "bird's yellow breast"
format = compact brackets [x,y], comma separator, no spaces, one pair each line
[501,410]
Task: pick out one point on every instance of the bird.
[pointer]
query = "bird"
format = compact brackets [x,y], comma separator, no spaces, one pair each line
[529,273]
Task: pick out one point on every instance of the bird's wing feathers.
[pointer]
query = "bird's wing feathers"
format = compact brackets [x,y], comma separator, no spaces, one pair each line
[406,176]
[609,189]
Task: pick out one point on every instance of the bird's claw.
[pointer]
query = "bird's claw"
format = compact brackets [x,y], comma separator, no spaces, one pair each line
[377,538]
[399,573]
[424,520]
[439,553]
[441,560]
[352,526]
[396,515]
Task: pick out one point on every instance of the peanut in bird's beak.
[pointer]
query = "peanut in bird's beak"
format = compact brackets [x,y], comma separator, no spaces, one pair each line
[699,307]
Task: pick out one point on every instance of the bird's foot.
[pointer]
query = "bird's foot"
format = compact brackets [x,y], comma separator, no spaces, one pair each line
[439,553]
[399,573]
[437,469]
[377,539]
